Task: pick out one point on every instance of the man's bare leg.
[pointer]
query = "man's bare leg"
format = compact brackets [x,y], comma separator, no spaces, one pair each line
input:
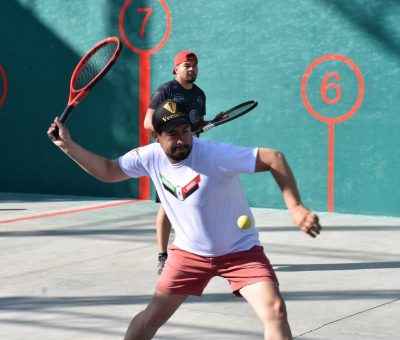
[163,227]
[266,300]
[146,323]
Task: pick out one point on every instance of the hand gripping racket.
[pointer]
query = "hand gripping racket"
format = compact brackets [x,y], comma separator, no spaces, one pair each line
[229,115]
[91,68]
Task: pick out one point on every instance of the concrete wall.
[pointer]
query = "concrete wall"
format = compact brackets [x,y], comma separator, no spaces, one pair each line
[341,58]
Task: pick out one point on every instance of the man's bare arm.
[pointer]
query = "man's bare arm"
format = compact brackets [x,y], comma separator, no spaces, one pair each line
[274,161]
[102,168]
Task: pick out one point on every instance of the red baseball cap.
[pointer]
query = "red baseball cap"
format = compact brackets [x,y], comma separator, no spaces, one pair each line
[184,56]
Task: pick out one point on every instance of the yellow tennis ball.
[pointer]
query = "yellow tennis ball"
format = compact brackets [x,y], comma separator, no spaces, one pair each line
[244,222]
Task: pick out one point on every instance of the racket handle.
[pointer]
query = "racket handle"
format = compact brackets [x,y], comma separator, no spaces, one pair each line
[65,115]
[63,118]
[205,128]
[211,124]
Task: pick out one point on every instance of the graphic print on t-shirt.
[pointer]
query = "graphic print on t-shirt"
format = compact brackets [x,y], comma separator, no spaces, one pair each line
[195,105]
[179,192]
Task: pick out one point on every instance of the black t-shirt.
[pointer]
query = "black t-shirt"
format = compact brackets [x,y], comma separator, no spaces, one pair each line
[194,99]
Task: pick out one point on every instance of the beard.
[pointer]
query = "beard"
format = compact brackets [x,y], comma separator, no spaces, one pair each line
[191,79]
[179,153]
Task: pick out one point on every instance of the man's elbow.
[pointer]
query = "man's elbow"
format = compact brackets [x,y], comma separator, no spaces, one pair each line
[268,158]
[277,156]
[112,173]
[108,179]
[147,122]
[148,125]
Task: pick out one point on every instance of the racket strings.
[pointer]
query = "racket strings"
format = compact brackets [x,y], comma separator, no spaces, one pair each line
[94,65]
[238,111]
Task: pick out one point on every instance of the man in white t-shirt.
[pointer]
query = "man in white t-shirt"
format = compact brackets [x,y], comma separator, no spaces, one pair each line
[181,89]
[198,185]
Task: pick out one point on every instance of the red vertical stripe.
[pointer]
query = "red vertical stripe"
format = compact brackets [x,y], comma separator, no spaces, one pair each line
[331,165]
[144,99]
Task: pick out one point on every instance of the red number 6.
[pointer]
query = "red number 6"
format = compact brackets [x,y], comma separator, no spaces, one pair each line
[325,87]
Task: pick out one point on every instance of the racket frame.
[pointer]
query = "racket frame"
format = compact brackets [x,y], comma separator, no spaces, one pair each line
[77,95]
[216,121]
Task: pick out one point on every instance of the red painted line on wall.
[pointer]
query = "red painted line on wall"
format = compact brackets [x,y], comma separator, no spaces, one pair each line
[71,211]
[331,165]
[144,100]
[144,70]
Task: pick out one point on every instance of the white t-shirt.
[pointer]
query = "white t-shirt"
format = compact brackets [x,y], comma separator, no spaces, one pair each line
[201,195]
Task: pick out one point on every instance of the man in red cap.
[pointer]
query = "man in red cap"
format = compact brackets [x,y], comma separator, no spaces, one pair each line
[181,89]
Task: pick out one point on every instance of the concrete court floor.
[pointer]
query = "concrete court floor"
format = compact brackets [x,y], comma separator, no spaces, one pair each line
[81,267]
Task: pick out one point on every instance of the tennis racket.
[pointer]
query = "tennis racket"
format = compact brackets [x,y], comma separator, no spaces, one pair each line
[229,115]
[91,68]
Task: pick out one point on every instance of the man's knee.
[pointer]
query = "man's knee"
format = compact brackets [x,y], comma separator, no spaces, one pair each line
[274,311]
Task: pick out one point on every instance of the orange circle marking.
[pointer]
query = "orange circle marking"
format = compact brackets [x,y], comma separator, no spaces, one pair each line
[306,75]
[5,86]
[163,40]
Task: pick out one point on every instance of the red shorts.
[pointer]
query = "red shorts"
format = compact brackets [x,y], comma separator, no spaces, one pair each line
[188,273]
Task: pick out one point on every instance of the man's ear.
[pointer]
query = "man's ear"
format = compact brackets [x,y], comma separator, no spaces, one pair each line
[155,135]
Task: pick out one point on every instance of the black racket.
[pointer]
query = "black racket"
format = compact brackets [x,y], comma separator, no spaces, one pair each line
[229,115]
[91,68]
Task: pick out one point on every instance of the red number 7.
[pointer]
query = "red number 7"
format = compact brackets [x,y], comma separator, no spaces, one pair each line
[148,12]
